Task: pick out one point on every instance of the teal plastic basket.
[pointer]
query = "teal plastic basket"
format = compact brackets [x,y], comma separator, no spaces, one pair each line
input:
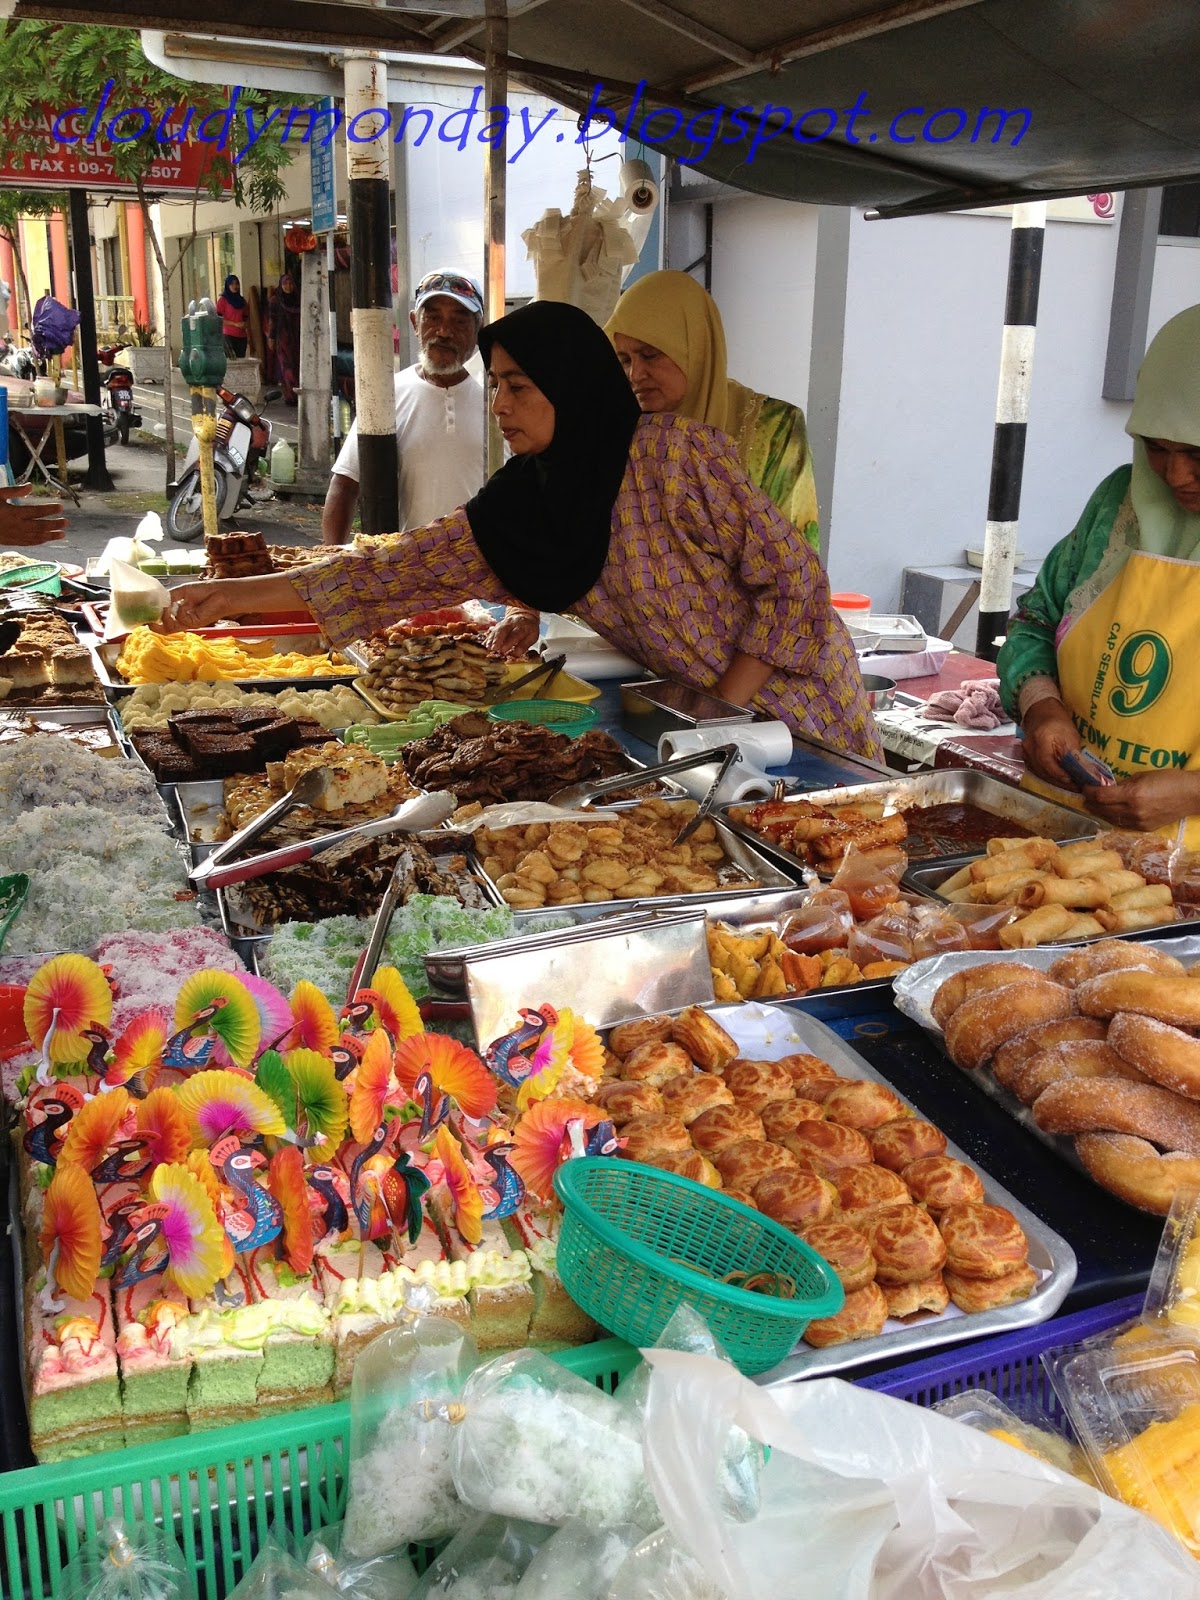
[563,716]
[637,1243]
[39,577]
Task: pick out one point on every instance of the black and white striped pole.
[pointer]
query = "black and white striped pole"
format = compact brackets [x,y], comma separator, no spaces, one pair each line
[1012,417]
[369,165]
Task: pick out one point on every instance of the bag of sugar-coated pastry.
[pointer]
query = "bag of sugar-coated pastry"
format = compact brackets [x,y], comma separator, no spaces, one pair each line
[127,1561]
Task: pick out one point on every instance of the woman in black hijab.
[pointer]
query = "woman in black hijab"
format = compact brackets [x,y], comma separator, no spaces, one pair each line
[644,526]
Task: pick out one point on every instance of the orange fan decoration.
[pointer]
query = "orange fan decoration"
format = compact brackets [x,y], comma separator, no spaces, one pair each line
[464,1191]
[373,1081]
[395,1007]
[94,1129]
[285,1179]
[71,1232]
[138,1052]
[587,1049]
[315,1026]
[66,995]
[538,1140]
[163,1123]
[455,1070]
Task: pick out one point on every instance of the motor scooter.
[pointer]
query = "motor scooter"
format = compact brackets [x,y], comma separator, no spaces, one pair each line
[243,440]
[119,383]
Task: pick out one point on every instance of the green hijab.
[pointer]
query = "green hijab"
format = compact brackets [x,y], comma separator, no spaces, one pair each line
[1166,405]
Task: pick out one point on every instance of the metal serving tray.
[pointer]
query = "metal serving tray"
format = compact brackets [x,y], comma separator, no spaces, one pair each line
[916,987]
[1044,817]
[1049,1253]
[104,661]
[651,707]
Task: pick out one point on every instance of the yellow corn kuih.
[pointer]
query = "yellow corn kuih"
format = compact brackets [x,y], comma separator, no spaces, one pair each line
[1159,1472]
[186,657]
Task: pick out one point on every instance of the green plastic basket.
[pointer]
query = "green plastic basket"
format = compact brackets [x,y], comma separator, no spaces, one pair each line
[39,577]
[564,716]
[217,1492]
[633,1238]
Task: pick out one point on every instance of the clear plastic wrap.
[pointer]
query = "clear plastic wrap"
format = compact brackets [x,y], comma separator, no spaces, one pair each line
[577,1563]
[390,1576]
[1028,1427]
[983,923]
[870,879]
[486,1561]
[406,1407]
[1173,1297]
[137,599]
[543,1445]
[127,1561]
[824,922]
[659,1570]
[277,1575]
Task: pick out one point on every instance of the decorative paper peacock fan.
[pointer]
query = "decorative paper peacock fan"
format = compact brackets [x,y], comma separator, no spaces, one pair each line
[454,1070]
[275,1020]
[216,1002]
[71,1228]
[464,1191]
[395,1008]
[194,1239]
[138,1053]
[540,1137]
[66,995]
[375,1087]
[314,1025]
[305,1087]
[163,1123]
[94,1129]
[285,1179]
[220,1102]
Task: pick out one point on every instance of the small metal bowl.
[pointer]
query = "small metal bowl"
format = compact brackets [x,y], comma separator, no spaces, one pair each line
[881,692]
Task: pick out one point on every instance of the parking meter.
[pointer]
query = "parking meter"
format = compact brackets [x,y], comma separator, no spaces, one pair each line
[202,363]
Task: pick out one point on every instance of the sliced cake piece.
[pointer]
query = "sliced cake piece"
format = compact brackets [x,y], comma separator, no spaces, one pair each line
[154,1379]
[73,1391]
[349,1274]
[501,1293]
[298,1355]
[224,1335]
[556,1318]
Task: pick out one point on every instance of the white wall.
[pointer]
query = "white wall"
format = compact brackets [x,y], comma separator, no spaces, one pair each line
[763,269]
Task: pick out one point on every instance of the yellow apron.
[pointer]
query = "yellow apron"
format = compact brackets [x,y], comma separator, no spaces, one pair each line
[1127,676]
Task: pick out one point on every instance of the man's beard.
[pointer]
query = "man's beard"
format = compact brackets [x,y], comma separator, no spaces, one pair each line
[441,361]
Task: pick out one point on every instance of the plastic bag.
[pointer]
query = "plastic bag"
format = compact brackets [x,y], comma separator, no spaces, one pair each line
[577,1563]
[870,879]
[137,599]
[127,1561]
[135,550]
[824,922]
[277,1575]
[541,1444]
[659,1570]
[486,1561]
[405,1408]
[870,1498]
[387,1577]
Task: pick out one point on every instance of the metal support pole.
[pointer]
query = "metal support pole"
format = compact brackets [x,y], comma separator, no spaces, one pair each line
[1012,416]
[316,371]
[495,93]
[204,426]
[81,248]
[369,168]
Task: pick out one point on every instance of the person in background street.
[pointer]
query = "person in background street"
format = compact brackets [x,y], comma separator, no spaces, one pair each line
[439,414]
[670,340]
[233,311]
[283,338]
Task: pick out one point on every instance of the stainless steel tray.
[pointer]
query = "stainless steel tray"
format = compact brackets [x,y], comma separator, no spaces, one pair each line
[1049,1253]
[1047,819]
[915,989]
[104,660]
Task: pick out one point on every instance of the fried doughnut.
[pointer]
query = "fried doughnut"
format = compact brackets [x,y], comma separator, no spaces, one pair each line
[1134,1170]
[690,1164]
[897,1144]
[796,1199]
[1173,999]
[722,1125]
[1075,1058]
[757,1084]
[622,1102]
[940,1182]
[627,1036]
[906,1244]
[744,1164]
[782,1116]
[846,1250]
[1010,1057]
[827,1147]
[690,1094]
[1166,1055]
[1111,955]
[1114,1105]
[986,1021]
[656,1062]
[982,1241]
[706,1041]
[987,1294]
[862,1317]
[927,1294]
[865,1191]
[970,981]
[864,1105]
[804,1067]
[646,1137]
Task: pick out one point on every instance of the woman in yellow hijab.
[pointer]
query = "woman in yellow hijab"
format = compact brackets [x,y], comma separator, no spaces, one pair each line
[668,334]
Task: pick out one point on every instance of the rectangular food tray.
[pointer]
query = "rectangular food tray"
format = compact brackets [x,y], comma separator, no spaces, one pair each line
[562,686]
[301,639]
[1044,817]
[1049,1253]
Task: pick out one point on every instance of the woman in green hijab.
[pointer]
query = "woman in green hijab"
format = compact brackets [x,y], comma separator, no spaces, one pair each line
[668,334]
[1101,655]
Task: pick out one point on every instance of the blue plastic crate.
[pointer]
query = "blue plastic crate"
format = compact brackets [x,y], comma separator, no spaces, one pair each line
[1008,1366]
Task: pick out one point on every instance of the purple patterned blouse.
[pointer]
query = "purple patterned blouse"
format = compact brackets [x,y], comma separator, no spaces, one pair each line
[700,566]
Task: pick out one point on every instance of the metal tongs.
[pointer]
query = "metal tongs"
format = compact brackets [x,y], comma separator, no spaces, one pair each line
[582,794]
[548,669]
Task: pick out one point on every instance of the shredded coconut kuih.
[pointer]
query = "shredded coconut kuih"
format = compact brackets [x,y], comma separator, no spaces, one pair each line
[45,771]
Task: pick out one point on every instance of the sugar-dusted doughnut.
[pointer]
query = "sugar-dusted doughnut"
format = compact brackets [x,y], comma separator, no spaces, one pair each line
[656,1062]
[863,1105]
[782,1116]
[926,1294]
[796,1199]
[897,1144]
[1166,1055]
[1073,1058]
[1011,1057]
[654,1136]
[687,1096]
[988,1294]
[969,981]
[827,1147]
[982,1241]
[847,1251]
[622,1102]
[940,1182]
[986,1021]
[689,1164]
[906,1244]
[627,1036]
[862,1317]
[1114,1105]
[741,1165]
[1170,998]
[1111,955]
[1135,1171]
[756,1084]
[864,1191]
[704,1039]
[722,1125]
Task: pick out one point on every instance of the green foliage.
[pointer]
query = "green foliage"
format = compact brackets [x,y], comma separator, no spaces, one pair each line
[144,335]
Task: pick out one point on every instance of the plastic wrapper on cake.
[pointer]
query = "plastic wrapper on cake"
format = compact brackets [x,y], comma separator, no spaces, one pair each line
[870,1498]
[277,1575]
[390,1576]
[658,1569]
[486,1561]
[1173,1297]
[127,1561]
[405,1410]
[541,1444]
[1025,1425]
[870,879]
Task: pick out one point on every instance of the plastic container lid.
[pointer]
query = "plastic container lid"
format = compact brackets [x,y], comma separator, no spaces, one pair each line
[855,604]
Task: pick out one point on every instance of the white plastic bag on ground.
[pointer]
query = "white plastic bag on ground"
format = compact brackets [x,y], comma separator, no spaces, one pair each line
[869,1498]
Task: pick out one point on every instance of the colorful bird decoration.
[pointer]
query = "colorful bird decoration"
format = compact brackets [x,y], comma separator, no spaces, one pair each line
[375,1087]
[453,1069]
[435,1108]
[314,1026]
[322,1110]
[285,1179]
[162,1123]
[366,1173]
[402,1187]
[220,1102]
[70,1237]
[547,1061]
[94,1130]
[393,1005]
[178,1228]
[329,1202]
[538,1140]
[217,1004]
[260,1218]
[66,995]
[504,1056]
[464,1191]
[138,1054]
[275,1022]
[504,1197]
[43,1139]
[346,1056]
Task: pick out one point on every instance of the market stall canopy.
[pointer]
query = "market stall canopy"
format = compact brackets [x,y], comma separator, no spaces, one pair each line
[1059,97]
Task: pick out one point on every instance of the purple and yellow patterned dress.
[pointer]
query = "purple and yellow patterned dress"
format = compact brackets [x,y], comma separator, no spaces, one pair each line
[700,566]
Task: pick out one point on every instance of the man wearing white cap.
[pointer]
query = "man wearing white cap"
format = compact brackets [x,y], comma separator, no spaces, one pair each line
[440,409]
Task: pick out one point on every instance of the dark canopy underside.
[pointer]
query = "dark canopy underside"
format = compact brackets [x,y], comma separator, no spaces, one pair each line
[1109,86]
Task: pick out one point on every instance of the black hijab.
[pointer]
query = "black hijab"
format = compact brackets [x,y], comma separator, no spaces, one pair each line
[542,522]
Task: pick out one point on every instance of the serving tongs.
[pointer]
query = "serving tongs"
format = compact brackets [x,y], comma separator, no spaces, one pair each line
[549,669]
[582,794]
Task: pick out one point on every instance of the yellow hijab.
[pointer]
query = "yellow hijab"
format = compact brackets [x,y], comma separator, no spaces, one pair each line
[678,316]
[1166,405]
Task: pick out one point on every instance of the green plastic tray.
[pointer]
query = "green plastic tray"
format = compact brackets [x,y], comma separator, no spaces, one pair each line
[218,1492]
